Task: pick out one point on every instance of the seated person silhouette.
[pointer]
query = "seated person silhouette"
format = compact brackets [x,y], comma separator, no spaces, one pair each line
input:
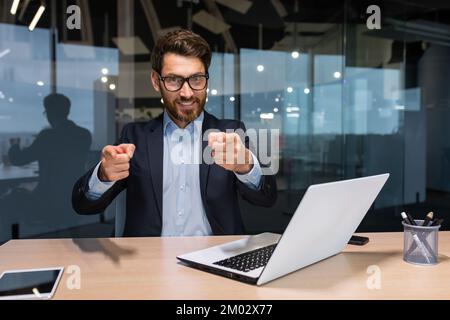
[61,152]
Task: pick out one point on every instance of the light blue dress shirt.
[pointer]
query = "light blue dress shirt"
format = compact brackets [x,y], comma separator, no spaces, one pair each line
[183,211]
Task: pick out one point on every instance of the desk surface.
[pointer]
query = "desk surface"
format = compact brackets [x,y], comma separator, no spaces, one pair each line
[146,268]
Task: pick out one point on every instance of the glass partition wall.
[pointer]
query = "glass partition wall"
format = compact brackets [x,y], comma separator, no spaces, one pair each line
[353,91]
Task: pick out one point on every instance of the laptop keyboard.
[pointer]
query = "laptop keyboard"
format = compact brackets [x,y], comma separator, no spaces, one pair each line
[249,260]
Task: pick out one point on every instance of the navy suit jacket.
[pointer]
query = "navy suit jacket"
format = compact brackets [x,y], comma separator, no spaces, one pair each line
[219,187]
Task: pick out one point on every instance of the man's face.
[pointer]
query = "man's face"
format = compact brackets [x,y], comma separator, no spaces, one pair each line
[186,104]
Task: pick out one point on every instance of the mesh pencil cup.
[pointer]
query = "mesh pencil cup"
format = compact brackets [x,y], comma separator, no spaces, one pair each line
[420,244]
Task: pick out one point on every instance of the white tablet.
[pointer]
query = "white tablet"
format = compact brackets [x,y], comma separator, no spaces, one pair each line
[29,283]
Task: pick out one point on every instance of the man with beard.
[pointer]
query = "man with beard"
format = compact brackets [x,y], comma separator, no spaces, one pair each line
[171,189]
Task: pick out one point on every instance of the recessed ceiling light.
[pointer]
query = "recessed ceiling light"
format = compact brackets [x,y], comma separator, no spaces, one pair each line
[295,54]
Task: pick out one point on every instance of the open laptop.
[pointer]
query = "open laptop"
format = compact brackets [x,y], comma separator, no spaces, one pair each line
[323,223]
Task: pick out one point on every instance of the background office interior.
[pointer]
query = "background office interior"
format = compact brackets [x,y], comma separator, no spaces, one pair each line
[348,101]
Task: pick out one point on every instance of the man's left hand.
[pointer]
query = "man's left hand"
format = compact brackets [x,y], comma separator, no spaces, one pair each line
[229,152]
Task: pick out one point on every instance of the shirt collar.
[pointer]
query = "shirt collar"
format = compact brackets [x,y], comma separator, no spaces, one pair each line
[170,125]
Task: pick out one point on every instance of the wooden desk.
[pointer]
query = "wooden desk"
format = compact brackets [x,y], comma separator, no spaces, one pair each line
[146,268]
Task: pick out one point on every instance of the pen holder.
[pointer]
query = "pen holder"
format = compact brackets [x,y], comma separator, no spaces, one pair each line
[420,243]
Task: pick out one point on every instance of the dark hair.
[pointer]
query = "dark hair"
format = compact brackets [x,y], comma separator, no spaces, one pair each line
[57,104]
[184,43]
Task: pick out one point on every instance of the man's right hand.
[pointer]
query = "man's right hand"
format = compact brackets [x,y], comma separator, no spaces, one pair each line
[115,164]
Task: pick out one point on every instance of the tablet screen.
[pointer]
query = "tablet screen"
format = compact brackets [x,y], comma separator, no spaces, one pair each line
[37,283]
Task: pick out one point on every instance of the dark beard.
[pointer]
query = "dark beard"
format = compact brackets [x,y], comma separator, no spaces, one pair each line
[190,116]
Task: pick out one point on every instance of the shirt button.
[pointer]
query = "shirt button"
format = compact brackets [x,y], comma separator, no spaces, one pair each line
[181,187]
[180,213]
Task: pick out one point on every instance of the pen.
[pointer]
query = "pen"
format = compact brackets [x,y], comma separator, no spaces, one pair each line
[437,222]
[428,219]
[421,247]
[407,218]
[421,235]
[411,219]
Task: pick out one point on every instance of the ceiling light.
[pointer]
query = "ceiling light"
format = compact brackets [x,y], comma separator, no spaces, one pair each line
[290,109]
[306,91]
[14,7]
[36,18]
[266,116]
[260,68]
[295,54]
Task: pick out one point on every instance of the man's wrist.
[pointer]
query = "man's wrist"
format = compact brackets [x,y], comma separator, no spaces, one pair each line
[245,168]
[100,174]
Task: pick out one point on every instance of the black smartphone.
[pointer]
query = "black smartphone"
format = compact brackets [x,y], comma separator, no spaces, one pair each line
[358,241]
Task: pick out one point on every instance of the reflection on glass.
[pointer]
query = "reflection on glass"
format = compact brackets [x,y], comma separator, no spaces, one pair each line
[34,193]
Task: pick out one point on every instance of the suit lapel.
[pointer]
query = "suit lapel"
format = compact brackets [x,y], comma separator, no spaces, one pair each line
[155,154]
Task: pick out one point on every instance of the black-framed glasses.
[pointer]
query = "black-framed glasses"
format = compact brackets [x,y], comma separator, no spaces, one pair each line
[196,82]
